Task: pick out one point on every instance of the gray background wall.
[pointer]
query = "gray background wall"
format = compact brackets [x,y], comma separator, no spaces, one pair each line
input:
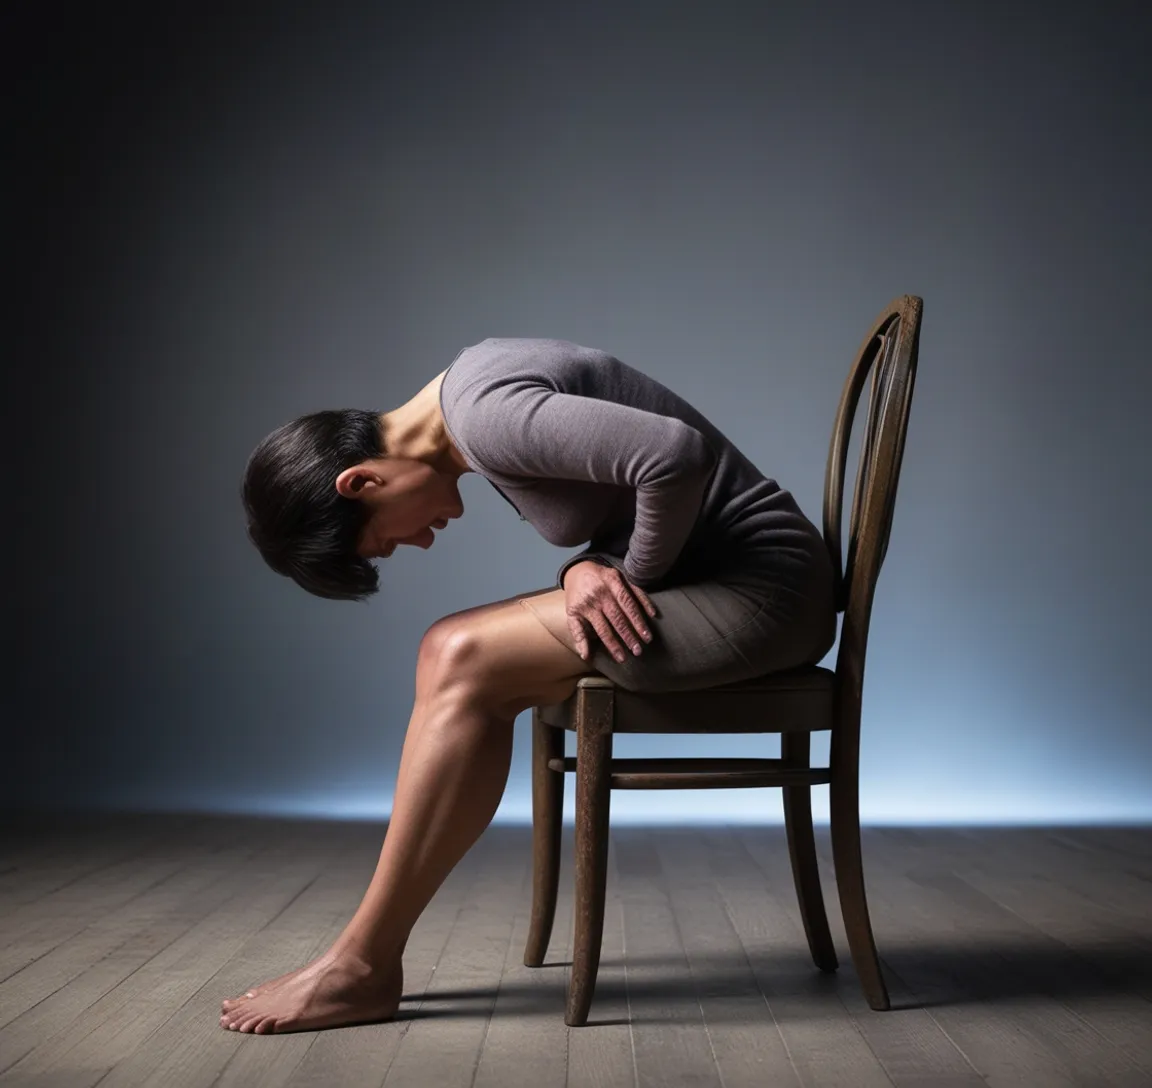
[221,222]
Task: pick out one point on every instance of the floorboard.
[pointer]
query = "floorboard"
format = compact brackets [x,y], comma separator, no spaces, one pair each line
[1013,956]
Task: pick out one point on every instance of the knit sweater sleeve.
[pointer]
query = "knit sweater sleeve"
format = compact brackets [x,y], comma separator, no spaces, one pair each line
[525,428]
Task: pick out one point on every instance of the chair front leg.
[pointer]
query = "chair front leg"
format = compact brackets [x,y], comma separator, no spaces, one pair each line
[547,813]
[796,751]
[593,802]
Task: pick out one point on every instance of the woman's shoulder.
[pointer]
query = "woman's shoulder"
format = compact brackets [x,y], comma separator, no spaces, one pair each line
[482,369]
[499,354]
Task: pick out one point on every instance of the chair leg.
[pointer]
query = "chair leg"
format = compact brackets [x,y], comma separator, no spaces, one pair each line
[796,750]
[593,800]
[547,813]
[844,798]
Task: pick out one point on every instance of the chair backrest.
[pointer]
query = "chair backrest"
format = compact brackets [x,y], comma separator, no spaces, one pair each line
[889,353]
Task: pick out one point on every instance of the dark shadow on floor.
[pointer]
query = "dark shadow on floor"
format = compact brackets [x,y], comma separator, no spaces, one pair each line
[917,978]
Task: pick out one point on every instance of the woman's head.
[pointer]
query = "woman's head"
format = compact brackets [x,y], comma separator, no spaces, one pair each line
[323,497]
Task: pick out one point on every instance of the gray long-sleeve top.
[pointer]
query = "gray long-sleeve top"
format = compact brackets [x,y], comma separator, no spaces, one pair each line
[588,449]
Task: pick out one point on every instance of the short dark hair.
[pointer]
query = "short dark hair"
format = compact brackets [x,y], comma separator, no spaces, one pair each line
[303,527]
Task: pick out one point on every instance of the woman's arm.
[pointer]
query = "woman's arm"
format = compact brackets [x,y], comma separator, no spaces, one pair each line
[529,429]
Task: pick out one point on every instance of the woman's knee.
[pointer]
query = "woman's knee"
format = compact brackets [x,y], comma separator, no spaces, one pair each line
[449,646]
[499,655]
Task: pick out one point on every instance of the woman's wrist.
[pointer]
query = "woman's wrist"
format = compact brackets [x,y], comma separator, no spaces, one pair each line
[597,559]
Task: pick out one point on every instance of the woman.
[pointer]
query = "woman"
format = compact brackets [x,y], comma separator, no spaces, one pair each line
[700,571]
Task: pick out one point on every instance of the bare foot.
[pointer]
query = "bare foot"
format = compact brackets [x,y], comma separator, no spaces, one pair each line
[271,984]
[334,990]
[322,961]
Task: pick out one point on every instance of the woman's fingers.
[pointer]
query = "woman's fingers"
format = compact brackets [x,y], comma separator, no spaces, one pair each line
[645,600]
[595,619]
[638,624]
[605,632]
[624,615]
[576,626]
[613,608]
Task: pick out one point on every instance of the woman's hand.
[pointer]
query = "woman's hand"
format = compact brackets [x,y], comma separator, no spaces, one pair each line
[603,598]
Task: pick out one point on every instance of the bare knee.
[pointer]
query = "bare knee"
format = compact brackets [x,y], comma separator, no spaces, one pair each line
[455,659]
[448,653]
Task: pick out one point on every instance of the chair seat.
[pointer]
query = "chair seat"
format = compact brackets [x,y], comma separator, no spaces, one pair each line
[790,700]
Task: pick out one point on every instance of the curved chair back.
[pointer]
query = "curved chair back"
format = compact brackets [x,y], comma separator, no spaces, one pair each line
[889,353]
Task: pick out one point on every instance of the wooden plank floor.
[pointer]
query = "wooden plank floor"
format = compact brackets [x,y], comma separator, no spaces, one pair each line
[1013,956]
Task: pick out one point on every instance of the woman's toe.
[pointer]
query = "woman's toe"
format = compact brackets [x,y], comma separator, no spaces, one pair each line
[265,1026]
[247,1024]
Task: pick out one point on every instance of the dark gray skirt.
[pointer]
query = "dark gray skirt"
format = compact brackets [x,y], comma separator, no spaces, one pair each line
[761,612]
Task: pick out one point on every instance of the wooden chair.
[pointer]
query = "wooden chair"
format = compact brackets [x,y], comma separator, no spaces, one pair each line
[794,703]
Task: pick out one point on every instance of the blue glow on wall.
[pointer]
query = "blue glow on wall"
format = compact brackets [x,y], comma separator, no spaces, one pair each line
[213,249]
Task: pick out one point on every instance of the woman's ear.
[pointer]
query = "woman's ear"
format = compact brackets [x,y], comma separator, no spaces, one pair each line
[353,482]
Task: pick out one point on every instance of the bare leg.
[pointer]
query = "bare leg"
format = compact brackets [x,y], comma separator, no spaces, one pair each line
[476,671]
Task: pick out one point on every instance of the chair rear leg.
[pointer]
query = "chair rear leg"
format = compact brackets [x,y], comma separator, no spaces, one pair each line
[844,797]
[796,749]
[593,800]
[547,813]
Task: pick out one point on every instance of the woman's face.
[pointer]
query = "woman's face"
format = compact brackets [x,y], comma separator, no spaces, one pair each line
[408,500]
